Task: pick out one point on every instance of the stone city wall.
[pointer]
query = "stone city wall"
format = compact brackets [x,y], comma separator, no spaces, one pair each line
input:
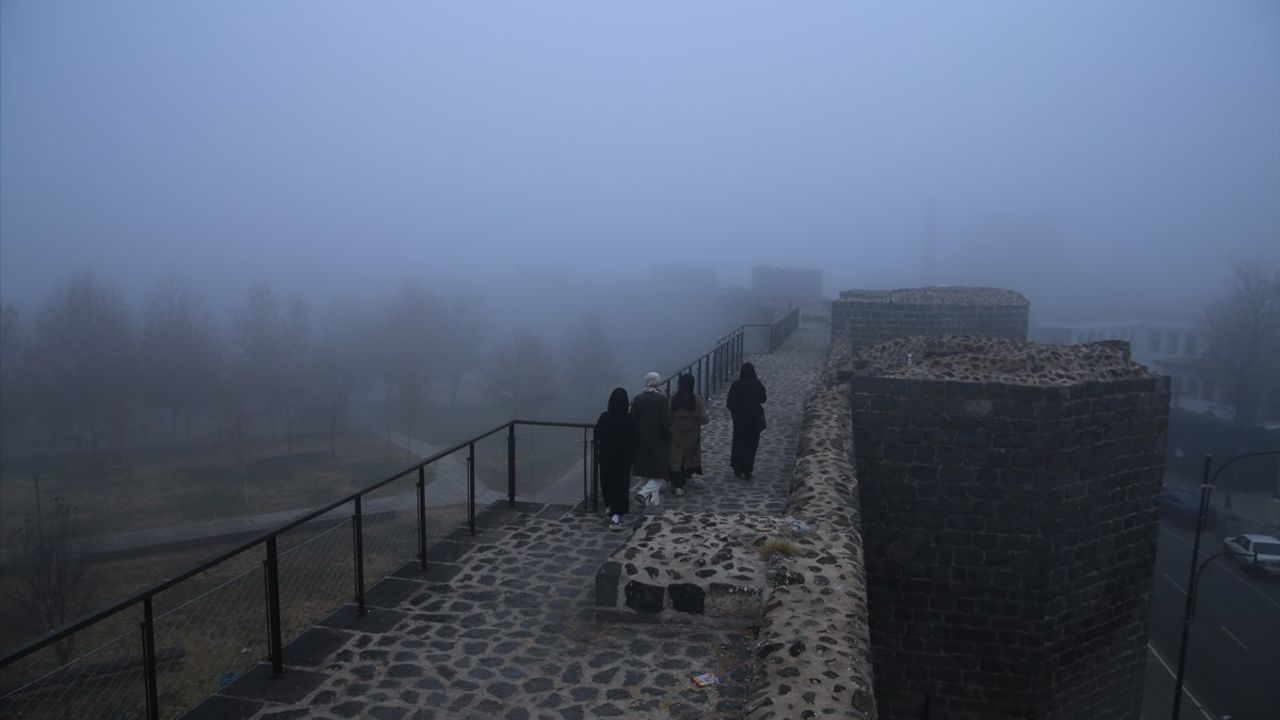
[813,655]
[867,317]
[1009,525]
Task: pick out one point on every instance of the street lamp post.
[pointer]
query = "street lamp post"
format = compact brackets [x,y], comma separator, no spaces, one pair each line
[1206,489]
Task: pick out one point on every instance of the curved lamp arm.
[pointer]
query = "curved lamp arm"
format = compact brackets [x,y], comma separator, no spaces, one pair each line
[1195,587]
[1228,463]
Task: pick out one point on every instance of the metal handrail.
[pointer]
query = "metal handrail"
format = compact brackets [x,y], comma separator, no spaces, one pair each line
[731,341]
[714,368]
[54,636]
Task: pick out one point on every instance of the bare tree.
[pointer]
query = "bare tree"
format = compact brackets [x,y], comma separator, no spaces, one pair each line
[83,364]
[295,382]
[461,340]
[178,352]
[235,408]
[54,581]
[590,363]
[1244,335]
[409,346]
[341,361]
[258,348]
[15,390]
[521,375]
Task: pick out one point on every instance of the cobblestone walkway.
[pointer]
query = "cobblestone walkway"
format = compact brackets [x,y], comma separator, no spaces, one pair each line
[500,625]
[788,376]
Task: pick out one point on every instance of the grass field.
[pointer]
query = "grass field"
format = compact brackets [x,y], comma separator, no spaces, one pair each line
[158,488]
[213,624]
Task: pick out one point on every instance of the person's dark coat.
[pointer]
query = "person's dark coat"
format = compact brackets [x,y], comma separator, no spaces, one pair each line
[688,415]
[652,420]
[615,450]
[746,403]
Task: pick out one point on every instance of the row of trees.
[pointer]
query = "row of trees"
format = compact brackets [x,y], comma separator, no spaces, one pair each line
[87,372]
[1244,336]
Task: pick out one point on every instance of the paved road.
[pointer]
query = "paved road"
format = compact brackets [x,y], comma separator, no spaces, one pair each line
[1233,665]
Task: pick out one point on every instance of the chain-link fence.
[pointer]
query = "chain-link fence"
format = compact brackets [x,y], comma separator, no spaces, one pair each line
[215,636]
[103,681]
[215,624]
[549,463]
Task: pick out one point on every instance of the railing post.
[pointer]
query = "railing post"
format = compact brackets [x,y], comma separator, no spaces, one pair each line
[698,379]
[586,471]
[149,660]
[275,646]
[357,533]
[511,464]
[422,516]
[595,473]
[471,486]
[722,356]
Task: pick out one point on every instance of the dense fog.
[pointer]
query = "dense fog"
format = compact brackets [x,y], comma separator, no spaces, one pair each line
[1080,152]
[240,233]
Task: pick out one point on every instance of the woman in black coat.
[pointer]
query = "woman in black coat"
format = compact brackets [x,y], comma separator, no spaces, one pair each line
[746,403]
[615,449]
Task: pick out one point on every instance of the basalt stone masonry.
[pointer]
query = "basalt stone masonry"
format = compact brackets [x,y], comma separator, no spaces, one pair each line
[1008,499]
[868,317]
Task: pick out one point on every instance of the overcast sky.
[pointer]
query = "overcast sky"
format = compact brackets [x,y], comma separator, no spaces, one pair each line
[1091,149]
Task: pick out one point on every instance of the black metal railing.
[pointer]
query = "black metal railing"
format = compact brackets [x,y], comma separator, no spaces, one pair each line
[292,584]
[31,697]
[720,365]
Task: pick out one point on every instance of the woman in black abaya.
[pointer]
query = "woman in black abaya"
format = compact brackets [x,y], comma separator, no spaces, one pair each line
[746,403]
[615,448]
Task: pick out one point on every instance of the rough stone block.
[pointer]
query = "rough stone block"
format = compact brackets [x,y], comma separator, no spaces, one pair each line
[607,584]
[687,598]
[645,598]
[727,600]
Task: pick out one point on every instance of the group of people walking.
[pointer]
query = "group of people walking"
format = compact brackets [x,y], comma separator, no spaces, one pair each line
[660,439]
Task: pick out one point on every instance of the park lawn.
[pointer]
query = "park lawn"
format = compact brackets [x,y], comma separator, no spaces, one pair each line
[158,488]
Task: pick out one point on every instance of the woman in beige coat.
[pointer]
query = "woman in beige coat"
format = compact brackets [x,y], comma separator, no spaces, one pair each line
[688,415]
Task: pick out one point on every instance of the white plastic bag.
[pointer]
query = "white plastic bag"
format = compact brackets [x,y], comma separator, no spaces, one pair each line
[651,491]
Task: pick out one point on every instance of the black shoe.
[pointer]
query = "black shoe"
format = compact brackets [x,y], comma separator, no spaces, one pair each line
[746,476]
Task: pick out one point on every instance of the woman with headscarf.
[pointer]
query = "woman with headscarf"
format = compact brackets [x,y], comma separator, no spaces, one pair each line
[652,420]
[746,403]
[688,415]
[615,448]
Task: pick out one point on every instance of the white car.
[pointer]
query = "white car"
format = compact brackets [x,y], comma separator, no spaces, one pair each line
[1260,553]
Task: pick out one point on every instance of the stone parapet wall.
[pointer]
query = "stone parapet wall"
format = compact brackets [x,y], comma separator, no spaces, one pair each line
[689,568]
[1010,535]
[814,657]
[866,317]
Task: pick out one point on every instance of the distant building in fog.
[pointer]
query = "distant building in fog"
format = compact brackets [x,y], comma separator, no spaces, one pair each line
[1167,347]
[1149,340]
[682,276]
[790,284]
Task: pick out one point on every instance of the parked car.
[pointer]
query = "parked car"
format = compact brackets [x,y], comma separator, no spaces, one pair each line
[1257,553]
[1181,506]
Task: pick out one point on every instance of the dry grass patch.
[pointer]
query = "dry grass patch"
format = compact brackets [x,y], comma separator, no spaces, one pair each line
[775,547]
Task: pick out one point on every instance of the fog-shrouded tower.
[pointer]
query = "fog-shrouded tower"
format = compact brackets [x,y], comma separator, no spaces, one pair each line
[1008,494]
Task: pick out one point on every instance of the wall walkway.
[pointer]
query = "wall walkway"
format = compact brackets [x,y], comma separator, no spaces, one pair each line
[501,624]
